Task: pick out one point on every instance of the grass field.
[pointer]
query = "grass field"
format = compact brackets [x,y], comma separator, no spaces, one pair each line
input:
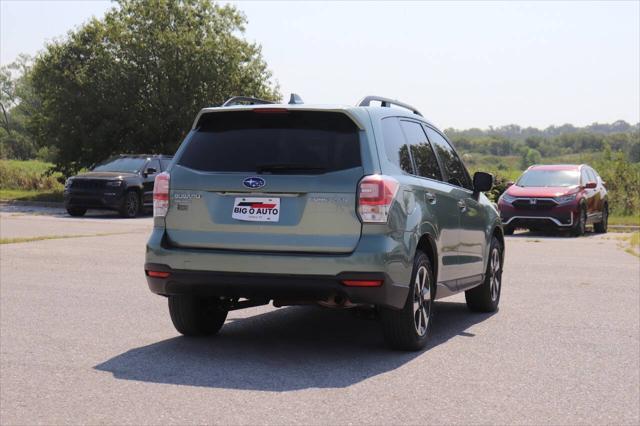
[624,220]
[28,175]
[30,195]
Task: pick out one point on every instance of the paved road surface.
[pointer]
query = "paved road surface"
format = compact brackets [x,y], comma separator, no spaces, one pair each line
[82,340]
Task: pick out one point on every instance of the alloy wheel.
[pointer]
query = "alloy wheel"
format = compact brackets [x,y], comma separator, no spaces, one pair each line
[132,204]
[422,301]
[495,274]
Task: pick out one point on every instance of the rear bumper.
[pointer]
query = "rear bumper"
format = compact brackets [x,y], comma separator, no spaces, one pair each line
[292,288]
[286,276]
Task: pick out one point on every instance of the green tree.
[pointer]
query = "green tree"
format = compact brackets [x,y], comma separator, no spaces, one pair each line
[622,181]
[530,157]
[16,103]
[134,80]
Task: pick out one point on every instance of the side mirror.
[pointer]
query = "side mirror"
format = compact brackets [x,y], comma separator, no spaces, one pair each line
[482,181]
[150,171]
[591,185]
[509,184]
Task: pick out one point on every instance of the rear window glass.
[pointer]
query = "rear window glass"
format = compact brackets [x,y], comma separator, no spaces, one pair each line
[291,142]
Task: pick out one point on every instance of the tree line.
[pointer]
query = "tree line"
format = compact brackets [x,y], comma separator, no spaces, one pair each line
[550,142]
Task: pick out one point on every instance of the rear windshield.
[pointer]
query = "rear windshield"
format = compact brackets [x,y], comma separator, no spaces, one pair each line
[300,142]
[549,178]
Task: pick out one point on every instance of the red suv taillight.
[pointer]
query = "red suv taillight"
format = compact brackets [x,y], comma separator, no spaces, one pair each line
[161,195]
[375,196]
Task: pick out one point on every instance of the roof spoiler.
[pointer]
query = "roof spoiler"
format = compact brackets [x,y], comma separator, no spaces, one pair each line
[294,99]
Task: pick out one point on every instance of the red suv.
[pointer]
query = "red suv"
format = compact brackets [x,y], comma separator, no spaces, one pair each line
[556,197]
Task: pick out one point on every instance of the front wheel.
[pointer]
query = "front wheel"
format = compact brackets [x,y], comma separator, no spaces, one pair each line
[76,211]
[131,205]
[196,316]
[486,296]
[581,225]
[408,329]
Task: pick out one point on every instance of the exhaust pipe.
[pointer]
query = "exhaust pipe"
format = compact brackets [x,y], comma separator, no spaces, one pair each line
[336,301]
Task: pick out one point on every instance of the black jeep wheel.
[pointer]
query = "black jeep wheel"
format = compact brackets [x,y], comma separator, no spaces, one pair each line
[486,297]
[76,211]
[196,316]
[408,329]
[130,205]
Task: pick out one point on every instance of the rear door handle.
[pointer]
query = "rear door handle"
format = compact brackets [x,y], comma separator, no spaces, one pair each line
[462,206]
[430,197]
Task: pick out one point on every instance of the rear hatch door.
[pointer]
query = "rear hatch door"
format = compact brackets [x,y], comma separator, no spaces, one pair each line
[267,180]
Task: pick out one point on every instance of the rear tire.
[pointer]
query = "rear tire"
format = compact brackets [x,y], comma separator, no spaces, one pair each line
[408,329]
[196,316]
[130,205]
[601,227]
[76,211]
[580,226]
[486,296]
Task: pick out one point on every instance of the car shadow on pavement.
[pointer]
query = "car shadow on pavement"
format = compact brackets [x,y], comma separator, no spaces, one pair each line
[288,349]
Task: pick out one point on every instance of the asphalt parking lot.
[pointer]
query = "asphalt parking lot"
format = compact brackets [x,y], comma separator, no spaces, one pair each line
[82,340]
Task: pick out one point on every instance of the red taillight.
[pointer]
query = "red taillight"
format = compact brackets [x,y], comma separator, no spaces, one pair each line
[161,195]
[158,274]
[362,283]
[375,196]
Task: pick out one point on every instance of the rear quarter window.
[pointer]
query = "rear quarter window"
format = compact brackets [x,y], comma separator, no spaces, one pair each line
[244,141]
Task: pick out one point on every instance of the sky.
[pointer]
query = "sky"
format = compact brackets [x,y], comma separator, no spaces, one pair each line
[462,64]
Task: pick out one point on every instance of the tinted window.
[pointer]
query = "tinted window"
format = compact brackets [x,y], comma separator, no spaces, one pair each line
[421,151]
[165,163]
[541,177]
[592,175]
[453,167]
[395,144]
[121,164]
[289,142]
[154,164]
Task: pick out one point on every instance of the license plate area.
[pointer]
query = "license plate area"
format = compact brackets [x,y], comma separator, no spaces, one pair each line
[256,209]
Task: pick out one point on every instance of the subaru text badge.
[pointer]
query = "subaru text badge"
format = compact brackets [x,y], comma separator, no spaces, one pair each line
[254,182]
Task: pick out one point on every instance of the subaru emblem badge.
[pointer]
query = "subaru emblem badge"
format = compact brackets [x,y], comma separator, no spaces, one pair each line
[254,182]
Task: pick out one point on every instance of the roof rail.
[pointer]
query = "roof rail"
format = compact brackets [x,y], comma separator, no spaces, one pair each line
[386,102]
[237,100]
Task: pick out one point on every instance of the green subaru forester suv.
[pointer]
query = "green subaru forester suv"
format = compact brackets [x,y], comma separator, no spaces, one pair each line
[332,205]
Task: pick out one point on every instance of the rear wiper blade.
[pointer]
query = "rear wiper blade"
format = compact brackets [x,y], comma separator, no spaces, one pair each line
[288,167]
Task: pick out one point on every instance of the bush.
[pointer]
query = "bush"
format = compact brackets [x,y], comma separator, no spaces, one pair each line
[622,181]
[28,175]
